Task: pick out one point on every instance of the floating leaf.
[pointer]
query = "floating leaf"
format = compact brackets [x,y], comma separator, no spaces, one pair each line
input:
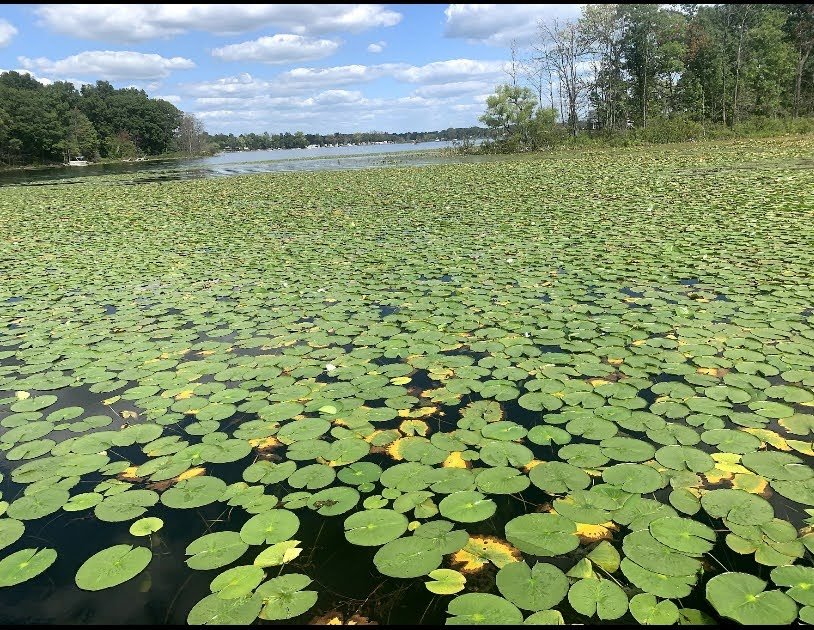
[270,527]
[216,611]
[742,597]
[25,565]
[146,526]
[649,611]
[683,534]
[445,582]
[542,534]
[278,554]
[10,531]
[799,579]
[603,598]
[538,588]
[284,597]
[374,527]
[409,557]
[482,609]
[467,507]
[112,566]
[215,550]
[237,582]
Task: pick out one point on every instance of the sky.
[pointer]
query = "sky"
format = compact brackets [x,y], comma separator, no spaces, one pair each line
[275,67]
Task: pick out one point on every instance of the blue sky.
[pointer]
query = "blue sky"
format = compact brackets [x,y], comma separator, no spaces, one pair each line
[252,67]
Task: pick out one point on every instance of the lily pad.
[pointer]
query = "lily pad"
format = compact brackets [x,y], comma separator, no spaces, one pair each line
[112,566]
[24,565]
[537,588]
[482,609]
[741,597]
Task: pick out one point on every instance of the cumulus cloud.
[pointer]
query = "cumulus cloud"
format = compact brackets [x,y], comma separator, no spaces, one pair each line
[456,88]
[376,47]
[280,48]
[343,111]
[109,64]
[450,71]
[455,76]
[501,24]
[172,98]
[7,32]
[140,22]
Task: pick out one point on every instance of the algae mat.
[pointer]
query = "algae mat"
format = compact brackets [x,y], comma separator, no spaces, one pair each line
[568,389]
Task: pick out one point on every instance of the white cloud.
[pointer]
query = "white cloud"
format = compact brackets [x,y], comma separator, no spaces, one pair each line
[43,80]
[453,89]
[338,110]
[452,70]
[306,78]
[140,22]
[500,24]
[280,48]
[110,65]
[376,47]
[7,33]
[172,98]
[437,79]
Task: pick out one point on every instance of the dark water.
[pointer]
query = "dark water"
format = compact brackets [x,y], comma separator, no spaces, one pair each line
[242,163]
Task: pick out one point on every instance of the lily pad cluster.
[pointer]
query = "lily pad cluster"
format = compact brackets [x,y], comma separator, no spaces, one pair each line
[543,390]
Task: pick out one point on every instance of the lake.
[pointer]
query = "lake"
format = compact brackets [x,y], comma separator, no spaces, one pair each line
[243,162]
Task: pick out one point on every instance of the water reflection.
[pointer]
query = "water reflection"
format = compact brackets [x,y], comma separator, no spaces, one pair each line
[243,163]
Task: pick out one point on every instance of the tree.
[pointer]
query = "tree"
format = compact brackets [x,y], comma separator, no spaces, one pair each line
[191,137]
[509,113]
[565,47]
[800,26]
[80,137]
[602,27]
[120,146]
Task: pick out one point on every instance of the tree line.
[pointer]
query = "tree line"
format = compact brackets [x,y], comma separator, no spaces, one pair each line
[661,72]
[300,140]
[42,124]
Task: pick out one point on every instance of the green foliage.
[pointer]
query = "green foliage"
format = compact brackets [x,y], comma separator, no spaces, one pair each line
[47,123]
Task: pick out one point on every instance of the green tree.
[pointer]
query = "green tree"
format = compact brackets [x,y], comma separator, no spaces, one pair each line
[509,114]
[80,137]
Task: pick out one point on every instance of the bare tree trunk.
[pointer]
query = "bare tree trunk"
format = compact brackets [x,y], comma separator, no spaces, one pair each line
[801,62]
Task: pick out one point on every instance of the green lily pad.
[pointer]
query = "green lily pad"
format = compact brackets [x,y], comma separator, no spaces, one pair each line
[647,610]
[237,582]
[602,598]
[112,566]
[216,611]
[542,534]
[659,584]
[558,477]
[537,588]
[654,556]
[270,527]
[467,507]
[445,582]
[10,531]
[215,550]
[683,534]
[194,493]
[374,527]
[800,581]
[409,557]
[482,609]
[633,478]
[24,565]
[146,526]
[284,597]
[741,597]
